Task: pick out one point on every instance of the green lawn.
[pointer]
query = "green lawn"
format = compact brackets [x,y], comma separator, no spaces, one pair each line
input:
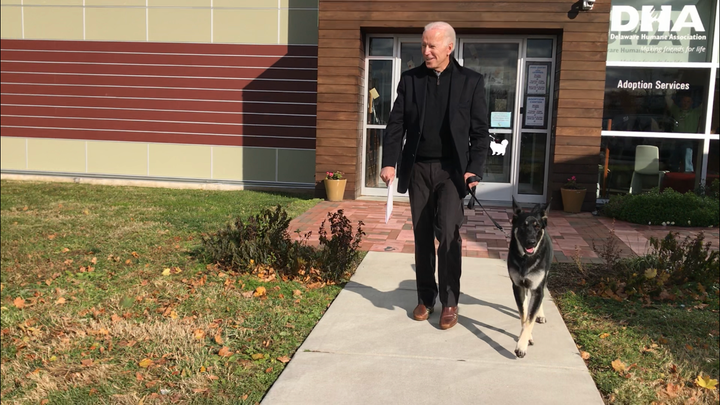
[659,347]
[103,299]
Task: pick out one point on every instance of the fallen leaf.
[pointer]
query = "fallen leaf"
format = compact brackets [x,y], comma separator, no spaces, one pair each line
[585,355]
[673,369]
[60,301]
[145,363]
[45,401]
[706,382]
[19,303]
[213,377]
[604,335]
[173,315]
[268,370]
[135,255]
[690,348]
[260,291]
[283,359]
[618,365]
[662,341]
[86,362]
[650,273]
[257,356]
[218,339]
[53,358]
[225,352]
[166,272]
[672,389]
[51,237]
[248,294]
[297,293]
[114,318]
[199,334]
[202,369]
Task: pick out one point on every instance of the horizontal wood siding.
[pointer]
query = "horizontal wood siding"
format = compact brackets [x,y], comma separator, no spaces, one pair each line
[213,94]
[579,87]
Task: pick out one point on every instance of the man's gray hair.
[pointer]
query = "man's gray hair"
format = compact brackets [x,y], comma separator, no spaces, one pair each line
[446,28]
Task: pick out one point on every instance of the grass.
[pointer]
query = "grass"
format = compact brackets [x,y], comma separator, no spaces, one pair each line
[663,346]
[104,301]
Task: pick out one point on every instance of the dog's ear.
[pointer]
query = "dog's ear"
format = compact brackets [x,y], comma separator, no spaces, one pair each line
[544,213]
[516,210]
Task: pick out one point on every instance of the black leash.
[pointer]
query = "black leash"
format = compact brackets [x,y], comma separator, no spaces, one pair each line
[473,200]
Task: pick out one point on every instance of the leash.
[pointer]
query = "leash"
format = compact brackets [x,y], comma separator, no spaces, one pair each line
[473,200]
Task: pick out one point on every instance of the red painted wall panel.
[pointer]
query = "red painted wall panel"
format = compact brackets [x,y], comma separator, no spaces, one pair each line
[214,94]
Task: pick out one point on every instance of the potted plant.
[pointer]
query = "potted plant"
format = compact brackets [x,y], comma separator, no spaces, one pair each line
[573,195]
[335,185]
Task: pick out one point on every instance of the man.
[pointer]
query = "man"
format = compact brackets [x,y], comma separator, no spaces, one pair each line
[441,113]
[687,120]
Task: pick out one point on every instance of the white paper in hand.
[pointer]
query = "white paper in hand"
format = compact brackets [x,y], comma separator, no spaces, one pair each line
[389,206]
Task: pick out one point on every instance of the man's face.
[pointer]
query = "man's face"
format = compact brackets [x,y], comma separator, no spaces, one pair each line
[686,103]
[436,49]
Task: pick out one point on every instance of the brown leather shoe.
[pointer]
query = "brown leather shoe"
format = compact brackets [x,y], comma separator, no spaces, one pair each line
[449,317]
[421,312]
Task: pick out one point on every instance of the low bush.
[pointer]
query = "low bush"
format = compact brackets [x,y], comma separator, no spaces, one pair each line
[667,207]
[262,244]
[673,266]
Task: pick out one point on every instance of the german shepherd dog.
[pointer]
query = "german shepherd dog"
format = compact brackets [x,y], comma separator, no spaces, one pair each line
[529,258]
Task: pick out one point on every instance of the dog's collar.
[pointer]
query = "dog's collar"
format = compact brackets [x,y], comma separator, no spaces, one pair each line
[521,249]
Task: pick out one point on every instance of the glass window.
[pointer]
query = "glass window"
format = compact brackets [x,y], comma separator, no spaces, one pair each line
[539,48]
[713,166]
[380,91]
[532,164]
[655,99]
[716,108]
[671,163]
[381,46]
[373,158]
[664,31]
[410,56]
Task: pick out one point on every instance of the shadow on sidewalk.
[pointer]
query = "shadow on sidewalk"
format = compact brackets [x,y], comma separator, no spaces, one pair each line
[392,300]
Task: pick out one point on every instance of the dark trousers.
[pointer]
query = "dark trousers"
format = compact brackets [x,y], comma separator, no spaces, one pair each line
[437,211]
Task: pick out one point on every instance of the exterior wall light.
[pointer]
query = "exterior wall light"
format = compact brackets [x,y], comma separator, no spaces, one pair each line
[587,5]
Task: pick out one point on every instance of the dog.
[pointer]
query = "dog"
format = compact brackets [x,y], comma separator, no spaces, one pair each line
[529,258]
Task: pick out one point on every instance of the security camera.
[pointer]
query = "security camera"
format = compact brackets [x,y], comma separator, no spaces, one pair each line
[587,5]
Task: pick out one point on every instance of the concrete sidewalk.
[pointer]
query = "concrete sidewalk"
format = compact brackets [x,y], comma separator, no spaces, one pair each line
[368,350]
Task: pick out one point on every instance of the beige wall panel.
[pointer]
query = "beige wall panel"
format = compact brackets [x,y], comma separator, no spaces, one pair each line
[259,164]
[243,163]
[115,24]
[189,161]
[128,158]
[245,26]
[16,2]
[298,26]
[227,162]
[179,25]
[56,155]
[12,153]
[54,2]
[11,22]
[136,3]
[54,23]
[296,165]
[246,3]
[179,3]
[299,3]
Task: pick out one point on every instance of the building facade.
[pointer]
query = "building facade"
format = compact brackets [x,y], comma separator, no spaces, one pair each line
[276,93]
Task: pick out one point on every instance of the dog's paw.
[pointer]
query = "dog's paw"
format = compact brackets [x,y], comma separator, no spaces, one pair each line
[541,319]
[531,342]
[520,353]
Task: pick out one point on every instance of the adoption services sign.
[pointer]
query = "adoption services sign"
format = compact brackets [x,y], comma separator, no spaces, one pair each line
[660,31]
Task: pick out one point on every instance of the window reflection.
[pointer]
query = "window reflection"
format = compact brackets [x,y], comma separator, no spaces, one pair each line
[379,91]
[655,99]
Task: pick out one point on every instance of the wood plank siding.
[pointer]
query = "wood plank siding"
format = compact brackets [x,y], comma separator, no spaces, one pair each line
[209,94]
[579,87]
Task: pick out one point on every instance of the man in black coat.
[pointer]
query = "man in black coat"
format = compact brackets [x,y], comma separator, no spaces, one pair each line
[441,113]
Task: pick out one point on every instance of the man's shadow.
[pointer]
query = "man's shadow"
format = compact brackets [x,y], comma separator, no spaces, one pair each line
[392,300]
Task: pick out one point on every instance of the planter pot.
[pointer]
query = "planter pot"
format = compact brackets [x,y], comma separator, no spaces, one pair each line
[572,199]
[335,189]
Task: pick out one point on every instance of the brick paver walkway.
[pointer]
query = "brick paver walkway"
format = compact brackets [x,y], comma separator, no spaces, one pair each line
[573,235]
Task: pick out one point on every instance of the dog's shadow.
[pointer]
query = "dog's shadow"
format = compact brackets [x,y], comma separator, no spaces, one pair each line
[392,300]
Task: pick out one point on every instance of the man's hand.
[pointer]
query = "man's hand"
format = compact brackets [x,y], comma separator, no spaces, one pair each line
[468,175]
[387,174]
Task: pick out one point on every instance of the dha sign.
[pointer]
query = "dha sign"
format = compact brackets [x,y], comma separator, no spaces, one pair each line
[688,18]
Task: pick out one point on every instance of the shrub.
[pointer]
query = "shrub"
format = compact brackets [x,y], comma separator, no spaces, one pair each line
[668,206]
[672,264]
[262,242]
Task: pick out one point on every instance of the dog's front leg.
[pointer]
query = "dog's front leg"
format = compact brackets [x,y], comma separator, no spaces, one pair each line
[533,307]
[541,315]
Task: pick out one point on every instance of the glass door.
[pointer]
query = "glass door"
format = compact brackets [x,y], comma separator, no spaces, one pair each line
[500,64]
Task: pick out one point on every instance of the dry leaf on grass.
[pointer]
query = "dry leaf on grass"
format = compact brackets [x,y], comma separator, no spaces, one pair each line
[19,303]
[225,352]
[166,272]
[585,355]
[86,362]
[260,291]
[199,334]
[604,335]
[257,356]
[145,363]
[60,301]
[673,389]
[706,382]
[297,293]
[283,359]
[248,294]
[218,339]
[619,366]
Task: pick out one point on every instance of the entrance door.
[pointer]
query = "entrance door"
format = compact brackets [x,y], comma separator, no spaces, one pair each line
[499,63]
